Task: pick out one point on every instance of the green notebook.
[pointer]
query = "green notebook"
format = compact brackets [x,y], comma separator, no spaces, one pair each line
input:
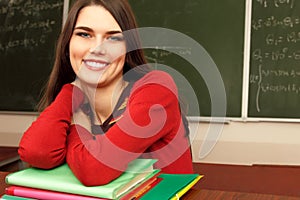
[62,179]
[10,197]
[171,186]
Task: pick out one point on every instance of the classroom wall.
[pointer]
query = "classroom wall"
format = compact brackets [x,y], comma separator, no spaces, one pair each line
[250,143]
[243,143]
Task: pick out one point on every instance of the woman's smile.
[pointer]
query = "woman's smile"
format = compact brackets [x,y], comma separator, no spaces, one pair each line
[95,65]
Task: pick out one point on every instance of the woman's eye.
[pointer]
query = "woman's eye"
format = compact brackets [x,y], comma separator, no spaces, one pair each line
[83,34]
[115,38]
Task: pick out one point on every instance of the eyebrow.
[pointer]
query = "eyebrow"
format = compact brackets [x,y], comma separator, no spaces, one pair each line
[91,30]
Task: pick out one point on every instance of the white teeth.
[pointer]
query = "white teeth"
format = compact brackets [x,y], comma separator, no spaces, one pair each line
[96,64]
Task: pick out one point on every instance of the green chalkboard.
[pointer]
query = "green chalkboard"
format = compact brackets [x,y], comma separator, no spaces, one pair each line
[275,59]
[29,30]
[28,33]
[218,26]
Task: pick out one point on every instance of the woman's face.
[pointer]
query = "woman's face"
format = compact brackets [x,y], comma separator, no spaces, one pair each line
[97,47]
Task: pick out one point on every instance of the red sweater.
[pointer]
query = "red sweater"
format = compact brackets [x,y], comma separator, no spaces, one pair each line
[150,127]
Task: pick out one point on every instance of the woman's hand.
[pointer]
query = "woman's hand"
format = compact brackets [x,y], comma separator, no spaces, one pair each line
[80,118]
[88,90]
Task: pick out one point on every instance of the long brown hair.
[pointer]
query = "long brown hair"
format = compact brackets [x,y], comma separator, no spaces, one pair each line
[62,71]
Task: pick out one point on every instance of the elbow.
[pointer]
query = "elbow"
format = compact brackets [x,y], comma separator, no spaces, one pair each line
[41,158]
[94,181]
[89,177]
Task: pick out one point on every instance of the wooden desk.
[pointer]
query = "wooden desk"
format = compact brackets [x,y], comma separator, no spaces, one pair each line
[3,185]
[8,155]
[226,195]
[198,194]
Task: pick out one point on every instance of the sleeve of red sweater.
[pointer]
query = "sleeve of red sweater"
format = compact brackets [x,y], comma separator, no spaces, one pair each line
[152,111]
[43,144]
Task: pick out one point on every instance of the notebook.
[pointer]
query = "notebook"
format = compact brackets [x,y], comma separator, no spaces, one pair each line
[11,197]
[172,186]
[26,192]
[141,189]
[61,179]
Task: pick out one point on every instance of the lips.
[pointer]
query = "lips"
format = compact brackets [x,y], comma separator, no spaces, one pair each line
[95,65]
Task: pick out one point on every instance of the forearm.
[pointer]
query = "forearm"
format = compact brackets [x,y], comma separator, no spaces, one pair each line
[85,158]
[44,143]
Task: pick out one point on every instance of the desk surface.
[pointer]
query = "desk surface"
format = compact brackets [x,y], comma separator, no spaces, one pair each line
[199,194]
[8,155]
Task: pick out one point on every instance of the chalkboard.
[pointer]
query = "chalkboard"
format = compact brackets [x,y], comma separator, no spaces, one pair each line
[28,30]
[275,59]
[218,26]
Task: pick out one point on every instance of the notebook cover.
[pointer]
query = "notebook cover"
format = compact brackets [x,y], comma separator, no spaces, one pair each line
[140,189]
[186,188]
[26,192]
[170,185]
[152,185]
[11,197]
[62,179]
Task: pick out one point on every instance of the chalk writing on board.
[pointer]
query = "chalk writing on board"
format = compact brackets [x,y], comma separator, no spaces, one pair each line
[277,39]
[28,7]
[288,87]
[158,54]
[45,25]
[28,33]
[276,3]
[275,57]
[272,21]
[18,30]
[27,42]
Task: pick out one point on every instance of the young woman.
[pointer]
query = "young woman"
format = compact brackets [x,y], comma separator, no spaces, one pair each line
[103,107]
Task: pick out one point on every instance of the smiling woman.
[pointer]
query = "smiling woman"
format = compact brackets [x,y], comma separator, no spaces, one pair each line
[103,107]
[97,50]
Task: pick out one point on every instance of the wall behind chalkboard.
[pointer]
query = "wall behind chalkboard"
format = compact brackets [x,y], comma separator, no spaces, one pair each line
[28,37]
[28,30]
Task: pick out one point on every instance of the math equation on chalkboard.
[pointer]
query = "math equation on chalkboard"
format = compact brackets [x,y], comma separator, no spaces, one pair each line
[275,59]
[28,32]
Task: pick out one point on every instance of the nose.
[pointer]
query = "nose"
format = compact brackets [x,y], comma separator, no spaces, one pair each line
[98,48]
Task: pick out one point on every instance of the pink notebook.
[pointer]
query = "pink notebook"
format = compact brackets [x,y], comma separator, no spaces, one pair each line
[44,194]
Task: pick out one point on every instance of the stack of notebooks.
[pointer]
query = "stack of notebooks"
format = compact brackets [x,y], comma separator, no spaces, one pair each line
[139,181]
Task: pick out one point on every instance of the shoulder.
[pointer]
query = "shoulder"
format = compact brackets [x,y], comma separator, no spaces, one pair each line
[157,75]
[156,78]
